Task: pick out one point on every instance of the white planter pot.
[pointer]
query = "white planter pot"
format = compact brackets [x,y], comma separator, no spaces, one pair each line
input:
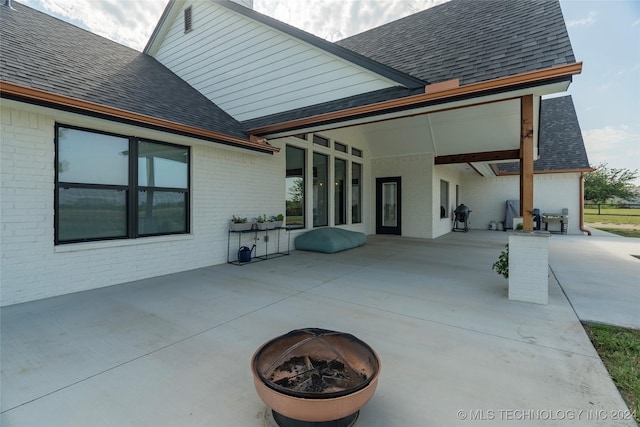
[240,226]
[266,225]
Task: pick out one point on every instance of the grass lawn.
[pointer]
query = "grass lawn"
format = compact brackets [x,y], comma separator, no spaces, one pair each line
[612,211]
[619,349]
[613,219]
[624,222]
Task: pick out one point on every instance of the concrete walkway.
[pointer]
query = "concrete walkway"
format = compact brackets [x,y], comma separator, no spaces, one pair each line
[600,276]
[175,350]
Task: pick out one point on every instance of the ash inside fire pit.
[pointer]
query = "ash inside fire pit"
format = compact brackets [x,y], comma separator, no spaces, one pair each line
[315,375]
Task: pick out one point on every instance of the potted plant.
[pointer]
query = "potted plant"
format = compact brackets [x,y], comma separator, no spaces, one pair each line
[278,220]
[263,223]
[239,224]
[501,266]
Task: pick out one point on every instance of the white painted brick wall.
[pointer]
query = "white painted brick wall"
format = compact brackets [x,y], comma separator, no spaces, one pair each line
[224,182]
[417,182]
[529,267]
[442,226]
[551,192]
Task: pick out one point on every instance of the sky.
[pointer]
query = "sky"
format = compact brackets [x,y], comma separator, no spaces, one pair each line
[605,36]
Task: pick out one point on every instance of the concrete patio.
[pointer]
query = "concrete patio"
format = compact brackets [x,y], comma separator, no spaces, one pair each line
[175,350]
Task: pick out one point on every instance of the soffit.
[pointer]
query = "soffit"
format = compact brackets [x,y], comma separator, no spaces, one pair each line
[488,127]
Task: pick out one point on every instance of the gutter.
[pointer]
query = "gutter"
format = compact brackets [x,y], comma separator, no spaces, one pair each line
[584,230]
[48,99]
[474,89]
[539,172]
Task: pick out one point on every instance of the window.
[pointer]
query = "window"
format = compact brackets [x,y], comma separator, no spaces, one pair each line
[340,193]
[319,140]
[356,193]
[444,199]
[111,186]
[340,147]
[187,19]
[295,182]
[325,189]
[301,136]
[356,152]
[163,175]
[320,190]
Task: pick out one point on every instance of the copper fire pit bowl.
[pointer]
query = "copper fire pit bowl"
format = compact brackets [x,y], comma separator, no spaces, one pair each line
[315,375]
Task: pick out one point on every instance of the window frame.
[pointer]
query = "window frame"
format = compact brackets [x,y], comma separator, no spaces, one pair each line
[325,199]
[337,201]
[304,185]
[359,199]
[322,141]
[132,188]
[309,196]
[340,147]
[444,199]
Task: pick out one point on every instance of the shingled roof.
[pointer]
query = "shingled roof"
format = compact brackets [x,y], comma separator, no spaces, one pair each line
[470,40]
[42,52]
[561,147]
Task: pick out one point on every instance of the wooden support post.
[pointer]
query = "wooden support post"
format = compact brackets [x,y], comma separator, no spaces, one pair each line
[526,162]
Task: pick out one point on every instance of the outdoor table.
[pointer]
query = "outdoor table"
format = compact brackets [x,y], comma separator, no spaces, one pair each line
[555,218]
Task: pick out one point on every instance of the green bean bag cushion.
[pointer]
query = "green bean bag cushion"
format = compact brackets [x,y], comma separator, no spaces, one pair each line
[329,240]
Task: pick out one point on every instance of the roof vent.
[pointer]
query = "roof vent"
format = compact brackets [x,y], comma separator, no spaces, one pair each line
[7,3]
[187,19]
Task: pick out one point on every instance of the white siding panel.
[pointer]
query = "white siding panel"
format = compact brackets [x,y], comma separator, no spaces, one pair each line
[251,70]
[288,98]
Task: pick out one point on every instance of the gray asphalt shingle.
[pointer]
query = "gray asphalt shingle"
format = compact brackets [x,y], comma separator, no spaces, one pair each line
[42,52]
[471,40]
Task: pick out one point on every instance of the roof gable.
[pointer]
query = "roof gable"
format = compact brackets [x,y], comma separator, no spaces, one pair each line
[252,65]
[470,40]
[47,54]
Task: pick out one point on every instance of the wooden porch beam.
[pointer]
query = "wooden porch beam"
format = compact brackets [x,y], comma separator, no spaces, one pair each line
[526,162]
[486,156]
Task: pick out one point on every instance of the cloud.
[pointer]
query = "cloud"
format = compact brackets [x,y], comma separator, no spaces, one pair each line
[618,146]
[127,22]
[636,23]
[336,19]
[590,19]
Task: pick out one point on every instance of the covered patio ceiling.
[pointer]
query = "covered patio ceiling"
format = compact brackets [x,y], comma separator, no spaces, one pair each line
[469,134]
[487,128]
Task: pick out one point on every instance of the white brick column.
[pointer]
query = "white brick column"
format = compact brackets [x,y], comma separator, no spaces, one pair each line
[529,266]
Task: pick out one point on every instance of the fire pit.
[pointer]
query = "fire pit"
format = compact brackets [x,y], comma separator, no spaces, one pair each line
[315,377]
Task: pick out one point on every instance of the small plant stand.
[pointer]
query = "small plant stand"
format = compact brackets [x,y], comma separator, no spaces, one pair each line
[266,238]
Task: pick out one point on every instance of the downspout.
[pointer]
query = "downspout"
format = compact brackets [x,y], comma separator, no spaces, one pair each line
[584,230]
